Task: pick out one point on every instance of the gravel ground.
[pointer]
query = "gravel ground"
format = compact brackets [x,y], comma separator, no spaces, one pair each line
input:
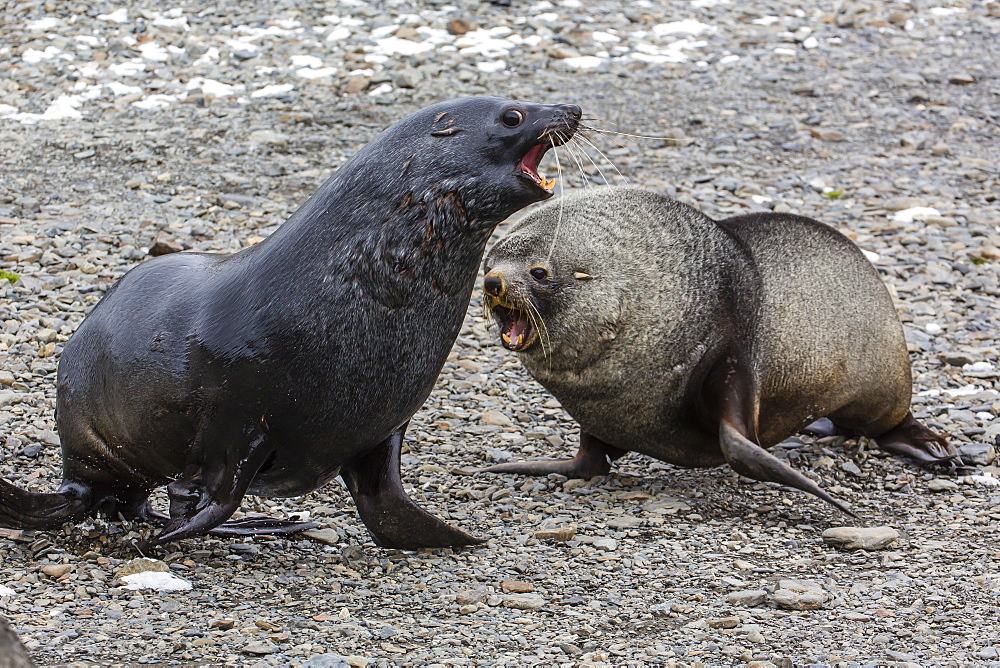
[214,125]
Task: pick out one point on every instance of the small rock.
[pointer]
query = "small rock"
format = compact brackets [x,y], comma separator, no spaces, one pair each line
[164,244]
[458,27]
[896,17]
[957,359]
[559,535]
[977,454]
[268,137]
[496,418]
[468,609]
[142,565]
[516,587]
[470,596]
[800,595]
[326,661]
[724,623]
[861,538]
[851,468]
[57,570]
[825,134]
[942,485]
[755,636]
[223,624]
[358,661]
[606,544]
[9,397]
[962,78]
[747,597]
[325,536]
[356,85]
[523,601]
[259,648]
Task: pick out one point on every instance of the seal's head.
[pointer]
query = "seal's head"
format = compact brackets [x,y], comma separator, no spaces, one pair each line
[481,152]
[563,297]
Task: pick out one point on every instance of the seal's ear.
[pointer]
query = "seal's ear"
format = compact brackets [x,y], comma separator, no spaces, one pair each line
[444,125]
[581,276]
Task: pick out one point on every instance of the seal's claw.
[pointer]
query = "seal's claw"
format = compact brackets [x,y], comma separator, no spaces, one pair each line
[592,459]
[912,439]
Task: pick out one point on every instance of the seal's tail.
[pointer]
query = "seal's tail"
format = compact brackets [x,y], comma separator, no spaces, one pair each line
[21,509]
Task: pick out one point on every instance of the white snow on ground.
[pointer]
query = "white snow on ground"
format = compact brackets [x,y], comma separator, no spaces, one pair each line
[6,591]
[157,580]
[914,213]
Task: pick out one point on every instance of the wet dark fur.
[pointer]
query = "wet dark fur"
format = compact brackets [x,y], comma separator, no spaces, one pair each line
[274,369]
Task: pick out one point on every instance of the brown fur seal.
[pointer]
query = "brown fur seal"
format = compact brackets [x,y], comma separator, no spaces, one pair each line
[697,341]
[273,370]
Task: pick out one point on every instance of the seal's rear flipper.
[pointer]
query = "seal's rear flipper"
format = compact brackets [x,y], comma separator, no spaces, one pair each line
[592,459]
[391,517]
[749,459]
[21,509]
[912,439]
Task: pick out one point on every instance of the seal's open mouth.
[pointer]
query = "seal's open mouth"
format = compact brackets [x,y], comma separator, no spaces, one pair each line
[529,166]
[516,331]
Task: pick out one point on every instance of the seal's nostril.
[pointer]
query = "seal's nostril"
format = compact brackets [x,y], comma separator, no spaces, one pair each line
[493,285]
[573,110]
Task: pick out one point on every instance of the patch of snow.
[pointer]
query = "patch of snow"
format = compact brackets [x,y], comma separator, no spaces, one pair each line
[872,257]
[380,90]
[7,591]
[118,16]
[914,213]
[584,62]
[491,65]
[7,110]
[153,51]
[946,11]
[306,61]
[311,73]
[685,27]
[212,87]
[933,328]
[33,56]
[601,36]
[157,101]
[129,68]
[118,88]
[157,580]
[43,24]
[977,367]
[338,34]
[273,90]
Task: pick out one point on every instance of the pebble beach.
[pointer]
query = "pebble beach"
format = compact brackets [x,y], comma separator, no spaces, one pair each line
[181,126]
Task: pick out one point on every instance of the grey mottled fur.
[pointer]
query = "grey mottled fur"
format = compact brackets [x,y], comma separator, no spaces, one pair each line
[679,305]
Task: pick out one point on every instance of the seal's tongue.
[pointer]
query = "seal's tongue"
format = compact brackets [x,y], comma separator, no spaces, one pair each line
[517,330]
[529,165]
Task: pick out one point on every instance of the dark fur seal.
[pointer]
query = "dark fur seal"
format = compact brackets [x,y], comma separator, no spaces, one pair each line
[275,369]
[12,652]
[697,341]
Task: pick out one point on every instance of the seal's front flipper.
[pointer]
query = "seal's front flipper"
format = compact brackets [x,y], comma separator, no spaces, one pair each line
[391,517]
[211,490]
[912,439]
[749,459]
[592,459]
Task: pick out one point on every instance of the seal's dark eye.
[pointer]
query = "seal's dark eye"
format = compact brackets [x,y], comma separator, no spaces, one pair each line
[512,118]
[539,273]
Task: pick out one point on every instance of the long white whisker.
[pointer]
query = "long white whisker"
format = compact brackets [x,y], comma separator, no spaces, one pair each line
[596,166]
[573,154]
[555,234]
[594,146]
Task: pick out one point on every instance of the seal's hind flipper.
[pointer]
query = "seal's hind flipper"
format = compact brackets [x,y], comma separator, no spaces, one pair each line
[749,459]
[391,517]
[912,439]
[23,509]
[592,459]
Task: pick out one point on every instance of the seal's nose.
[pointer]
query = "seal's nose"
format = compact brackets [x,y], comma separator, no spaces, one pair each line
[573,110]
[493,284]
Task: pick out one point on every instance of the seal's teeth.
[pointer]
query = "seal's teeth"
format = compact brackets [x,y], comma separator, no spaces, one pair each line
[506,338]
